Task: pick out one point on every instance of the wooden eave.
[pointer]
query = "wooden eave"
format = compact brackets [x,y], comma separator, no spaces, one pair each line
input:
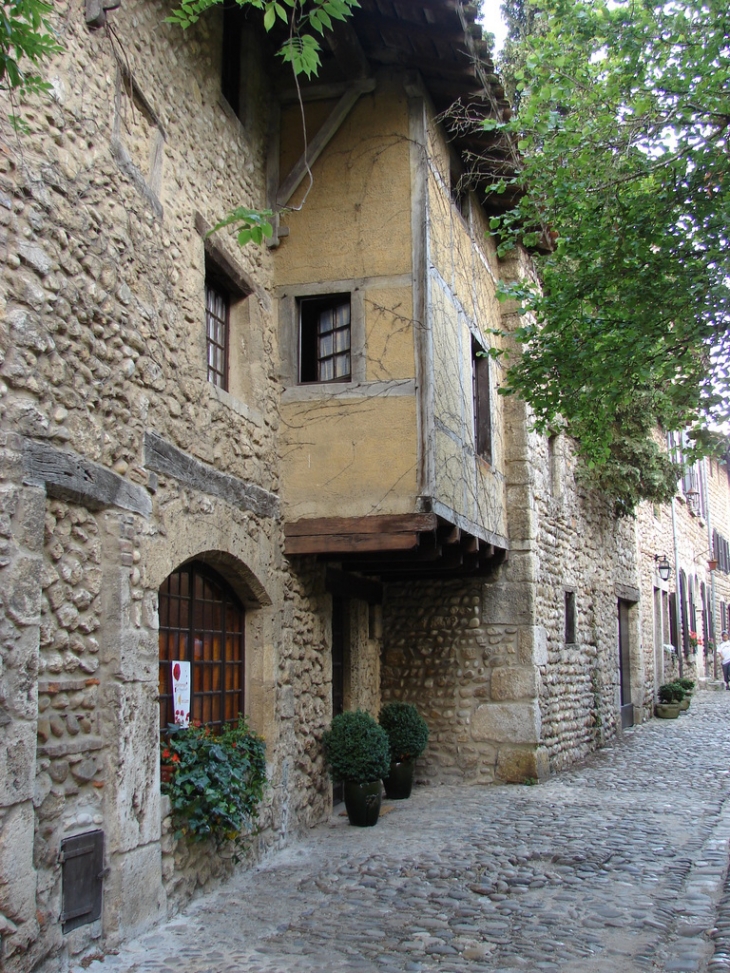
[440,41]
[393,547]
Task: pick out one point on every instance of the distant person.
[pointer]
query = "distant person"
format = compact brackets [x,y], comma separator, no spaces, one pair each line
[723,650]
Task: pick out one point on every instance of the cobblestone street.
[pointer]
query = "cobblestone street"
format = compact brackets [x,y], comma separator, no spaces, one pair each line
[615,866]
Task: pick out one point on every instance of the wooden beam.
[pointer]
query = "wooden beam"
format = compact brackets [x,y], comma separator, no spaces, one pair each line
[322,139]
[464,72]
[348,585]
[315,92]
[349,543]
[345,45]
[451,31]
[377,524]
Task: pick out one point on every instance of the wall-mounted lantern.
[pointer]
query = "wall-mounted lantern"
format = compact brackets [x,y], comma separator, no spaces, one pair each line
[663,566]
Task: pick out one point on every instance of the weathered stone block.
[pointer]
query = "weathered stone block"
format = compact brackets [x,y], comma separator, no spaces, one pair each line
[508,604]
[519,764]
[132,757]
[509,683]
[134,898]
[533,645]
[17,763]
[507,723]
[17,875]
[23,591]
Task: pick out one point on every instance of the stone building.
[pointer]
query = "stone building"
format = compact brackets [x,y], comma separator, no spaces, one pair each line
[304,440]
[684,613]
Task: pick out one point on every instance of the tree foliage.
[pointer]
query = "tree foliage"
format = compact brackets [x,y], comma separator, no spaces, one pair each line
[304,19]
[26,39]
[622,125]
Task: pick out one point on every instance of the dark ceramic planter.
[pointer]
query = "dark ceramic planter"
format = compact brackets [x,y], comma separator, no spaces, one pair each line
[398,785]
[362,802]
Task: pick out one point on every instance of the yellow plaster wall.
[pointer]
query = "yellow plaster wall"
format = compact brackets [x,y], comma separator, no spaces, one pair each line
[345,453]
[389,333]
[463,302]
[349,458]
[356,221]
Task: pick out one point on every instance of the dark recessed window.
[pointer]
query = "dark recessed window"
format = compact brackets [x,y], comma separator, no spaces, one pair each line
[231,56]
[325,339]
[481,401]
[217,328]
[202,622]
[570,616]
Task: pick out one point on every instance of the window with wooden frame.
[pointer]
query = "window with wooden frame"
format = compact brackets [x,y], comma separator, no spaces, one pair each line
[481,402]
[217,331]
[325,339]
[202,622]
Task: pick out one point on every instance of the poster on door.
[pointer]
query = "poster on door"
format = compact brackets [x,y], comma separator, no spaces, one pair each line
[181,692]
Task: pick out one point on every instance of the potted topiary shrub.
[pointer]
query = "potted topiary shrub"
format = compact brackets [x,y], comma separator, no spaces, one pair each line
[670,696]
[684,698]
[357,752]
[407,735]
[687,685]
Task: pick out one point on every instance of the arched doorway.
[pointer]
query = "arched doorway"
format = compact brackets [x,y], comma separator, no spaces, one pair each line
[202,621]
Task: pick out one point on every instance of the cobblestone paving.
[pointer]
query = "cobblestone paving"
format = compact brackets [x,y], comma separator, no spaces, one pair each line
[616,866]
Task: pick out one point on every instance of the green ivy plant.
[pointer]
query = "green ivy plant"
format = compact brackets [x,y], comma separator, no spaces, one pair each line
[406,728]
[217,783]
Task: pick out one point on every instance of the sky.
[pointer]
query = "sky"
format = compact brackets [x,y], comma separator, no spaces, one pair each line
[491,18]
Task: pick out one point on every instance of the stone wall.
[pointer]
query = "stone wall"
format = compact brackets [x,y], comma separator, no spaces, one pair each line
[113,440]
[451,650]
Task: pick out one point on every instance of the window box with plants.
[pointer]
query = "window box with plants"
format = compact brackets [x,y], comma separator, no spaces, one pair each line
[407,735]
[357,752]
[216,782]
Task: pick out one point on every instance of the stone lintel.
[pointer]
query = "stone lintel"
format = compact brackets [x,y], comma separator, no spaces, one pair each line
[70,476]
[163,457]
[627,592]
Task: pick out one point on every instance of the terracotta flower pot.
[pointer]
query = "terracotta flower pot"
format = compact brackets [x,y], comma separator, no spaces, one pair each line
[362,802]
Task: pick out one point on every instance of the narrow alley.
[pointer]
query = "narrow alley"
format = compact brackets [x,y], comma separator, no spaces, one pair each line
[615,866]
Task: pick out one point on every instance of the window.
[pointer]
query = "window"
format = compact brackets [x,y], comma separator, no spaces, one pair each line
[231,56]
[217,308]
[325,339]
[202,622]
[459,195]
[721,549]
[482,405]
[570,616]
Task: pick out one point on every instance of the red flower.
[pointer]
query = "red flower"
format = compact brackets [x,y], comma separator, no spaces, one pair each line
[175,758]
[165,754]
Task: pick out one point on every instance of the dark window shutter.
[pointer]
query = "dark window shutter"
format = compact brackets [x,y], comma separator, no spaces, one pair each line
[82,861]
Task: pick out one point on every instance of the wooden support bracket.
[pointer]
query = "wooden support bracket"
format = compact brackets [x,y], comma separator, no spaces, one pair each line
[322,139]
